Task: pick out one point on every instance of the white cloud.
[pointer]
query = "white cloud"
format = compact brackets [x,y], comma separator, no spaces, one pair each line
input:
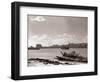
[39,39]
[38,19]
[47,40]
[42,37]
[85,39]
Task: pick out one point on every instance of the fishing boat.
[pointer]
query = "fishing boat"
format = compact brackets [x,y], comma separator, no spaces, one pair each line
[72,54]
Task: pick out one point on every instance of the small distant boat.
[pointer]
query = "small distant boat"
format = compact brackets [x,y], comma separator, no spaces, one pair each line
[33,48]
[64,47]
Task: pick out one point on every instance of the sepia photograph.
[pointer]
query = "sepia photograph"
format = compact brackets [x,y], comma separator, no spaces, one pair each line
[57,40]
[55,37]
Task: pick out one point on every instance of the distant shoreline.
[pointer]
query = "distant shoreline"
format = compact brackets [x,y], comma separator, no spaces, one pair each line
[67,46]
[53,48]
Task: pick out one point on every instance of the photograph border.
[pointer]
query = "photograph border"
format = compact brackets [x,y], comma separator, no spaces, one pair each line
[15,40]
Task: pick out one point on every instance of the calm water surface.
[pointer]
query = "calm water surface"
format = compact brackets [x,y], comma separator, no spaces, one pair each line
[51,53]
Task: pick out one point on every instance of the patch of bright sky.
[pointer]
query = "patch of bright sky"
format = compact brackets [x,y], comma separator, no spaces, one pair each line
[51,30]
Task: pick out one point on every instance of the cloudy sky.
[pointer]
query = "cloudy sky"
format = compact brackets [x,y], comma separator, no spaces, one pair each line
[50,30]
